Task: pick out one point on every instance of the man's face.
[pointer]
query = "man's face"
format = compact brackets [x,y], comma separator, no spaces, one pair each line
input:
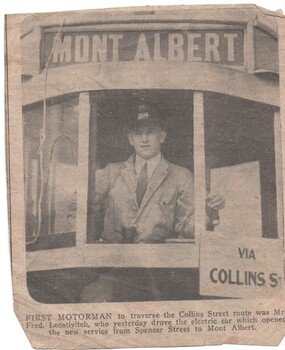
[147,140]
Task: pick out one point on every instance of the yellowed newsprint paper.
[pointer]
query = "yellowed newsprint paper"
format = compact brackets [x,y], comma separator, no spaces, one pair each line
[144,153]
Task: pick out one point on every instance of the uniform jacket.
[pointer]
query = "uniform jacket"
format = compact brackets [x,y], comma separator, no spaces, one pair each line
[167,209]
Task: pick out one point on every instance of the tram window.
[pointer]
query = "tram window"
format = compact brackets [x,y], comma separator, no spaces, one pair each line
[240,159]
[110,111]
[51,157]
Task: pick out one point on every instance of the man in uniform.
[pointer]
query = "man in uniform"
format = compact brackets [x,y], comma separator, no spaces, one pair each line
[146,200]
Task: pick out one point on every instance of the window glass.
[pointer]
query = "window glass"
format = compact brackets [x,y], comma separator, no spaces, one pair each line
[51,158]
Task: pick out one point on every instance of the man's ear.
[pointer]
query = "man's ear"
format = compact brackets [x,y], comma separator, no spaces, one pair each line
[163,135]
[130,138]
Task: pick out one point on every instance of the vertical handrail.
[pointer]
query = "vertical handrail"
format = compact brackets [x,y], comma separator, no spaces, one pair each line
[199,163]
[92,234]
[83,166]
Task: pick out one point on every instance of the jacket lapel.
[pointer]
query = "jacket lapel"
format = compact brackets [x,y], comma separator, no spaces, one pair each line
[128,175]
[156,180]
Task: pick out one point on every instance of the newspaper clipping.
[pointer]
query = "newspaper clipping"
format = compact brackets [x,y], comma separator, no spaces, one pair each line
[144,150]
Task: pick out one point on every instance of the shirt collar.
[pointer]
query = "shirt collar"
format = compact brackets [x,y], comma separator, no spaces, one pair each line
[151,164]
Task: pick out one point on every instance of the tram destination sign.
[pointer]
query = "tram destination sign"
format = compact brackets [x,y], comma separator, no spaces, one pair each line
[240,267]
[217,46]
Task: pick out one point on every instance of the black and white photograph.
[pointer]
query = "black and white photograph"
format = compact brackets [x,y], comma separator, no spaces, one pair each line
[150,168]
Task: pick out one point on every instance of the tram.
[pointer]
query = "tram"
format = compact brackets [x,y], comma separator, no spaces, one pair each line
[214,75]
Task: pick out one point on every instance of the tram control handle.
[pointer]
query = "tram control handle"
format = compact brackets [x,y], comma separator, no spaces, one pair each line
[129,233]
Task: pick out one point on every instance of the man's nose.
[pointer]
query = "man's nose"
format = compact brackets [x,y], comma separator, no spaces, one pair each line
[144,137]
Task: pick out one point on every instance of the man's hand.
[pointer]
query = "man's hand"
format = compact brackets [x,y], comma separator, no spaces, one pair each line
[215,200]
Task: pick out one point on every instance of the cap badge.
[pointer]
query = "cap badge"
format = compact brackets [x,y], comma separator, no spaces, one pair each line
[143,116]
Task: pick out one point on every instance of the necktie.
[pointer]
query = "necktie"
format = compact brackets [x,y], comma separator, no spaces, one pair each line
[142,184]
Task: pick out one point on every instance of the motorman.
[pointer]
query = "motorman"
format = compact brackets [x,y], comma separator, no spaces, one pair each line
[146,200]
